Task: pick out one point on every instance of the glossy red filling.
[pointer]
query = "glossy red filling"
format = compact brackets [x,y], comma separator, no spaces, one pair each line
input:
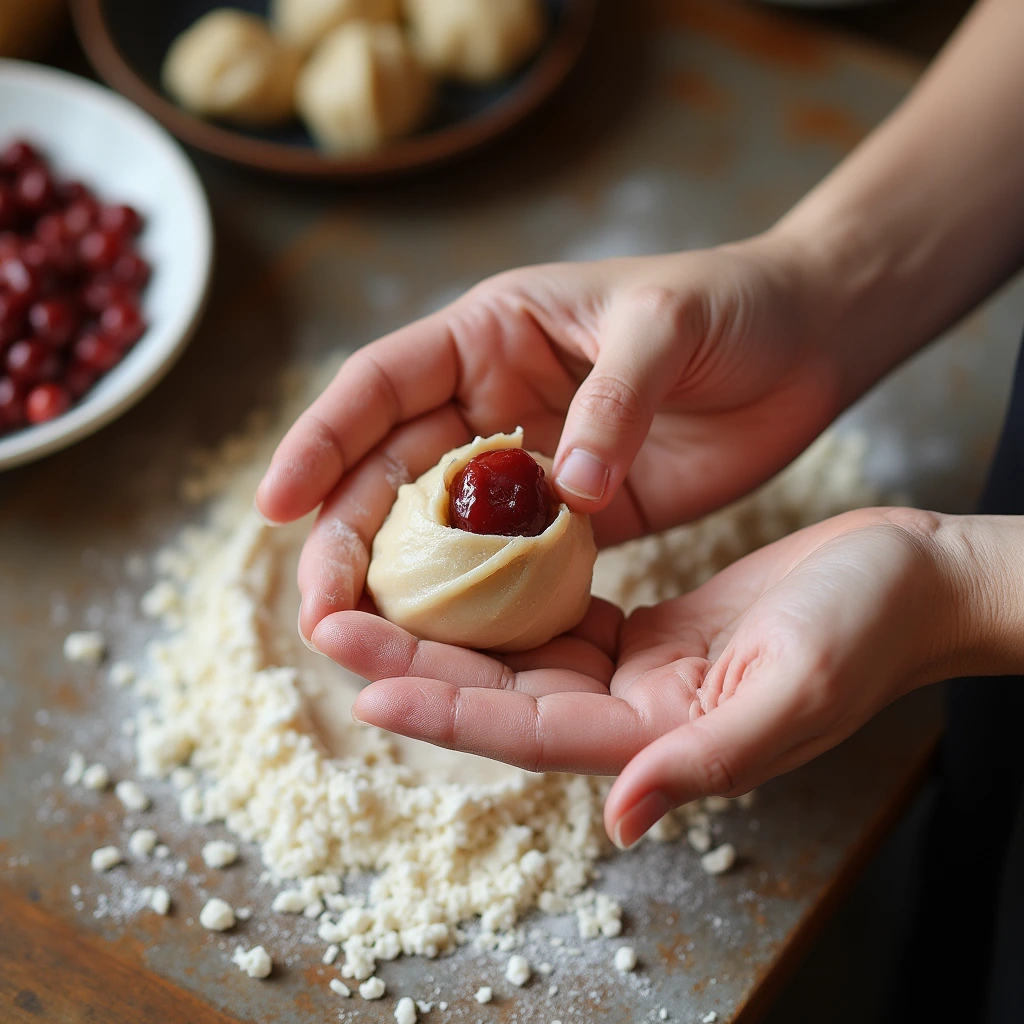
[503,493]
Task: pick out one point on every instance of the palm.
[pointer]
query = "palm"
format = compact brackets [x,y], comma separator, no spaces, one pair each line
[739,657]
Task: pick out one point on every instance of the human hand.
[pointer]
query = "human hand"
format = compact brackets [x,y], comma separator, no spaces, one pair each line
[685,380]
[775,660]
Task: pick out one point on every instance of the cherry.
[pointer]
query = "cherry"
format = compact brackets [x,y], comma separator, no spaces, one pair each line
[72,191]
[46,402]
[502,492]
[12,317]
[99,248]
[17,156]
[12,404]
[30,360]
[35,190]
[51,228]
[122,323]
[80,215]
[21,275]
[101,292]
[98,352]
[131,269]
[79,377]
[53,320]
[123,219]
[10,208]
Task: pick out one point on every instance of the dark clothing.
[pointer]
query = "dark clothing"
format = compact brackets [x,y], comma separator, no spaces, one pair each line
[965,957]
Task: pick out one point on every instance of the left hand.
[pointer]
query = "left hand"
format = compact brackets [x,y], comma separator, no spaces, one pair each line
[773,661]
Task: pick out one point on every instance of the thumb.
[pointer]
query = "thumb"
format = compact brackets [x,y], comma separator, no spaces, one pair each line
[724,752]
[642,352]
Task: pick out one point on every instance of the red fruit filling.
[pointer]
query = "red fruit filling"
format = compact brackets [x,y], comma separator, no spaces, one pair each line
[503,493]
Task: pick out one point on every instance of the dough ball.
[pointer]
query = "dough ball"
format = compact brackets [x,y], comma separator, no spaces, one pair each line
[477,590]
[362,86]
[304,23]
[229,65]
[475,40]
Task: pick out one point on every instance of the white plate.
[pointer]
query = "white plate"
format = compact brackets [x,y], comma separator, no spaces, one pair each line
[90,133]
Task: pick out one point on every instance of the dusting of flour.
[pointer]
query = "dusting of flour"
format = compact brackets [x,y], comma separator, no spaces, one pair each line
[233,693]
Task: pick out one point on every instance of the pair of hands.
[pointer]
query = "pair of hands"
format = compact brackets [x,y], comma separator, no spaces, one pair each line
[685,381]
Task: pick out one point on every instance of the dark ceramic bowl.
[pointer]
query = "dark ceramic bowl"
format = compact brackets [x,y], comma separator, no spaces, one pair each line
[126,41]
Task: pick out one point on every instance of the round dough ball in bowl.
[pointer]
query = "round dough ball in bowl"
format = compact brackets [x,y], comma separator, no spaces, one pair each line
[229,65]
[362,86]
[478,590]
[304,23]
[475,40]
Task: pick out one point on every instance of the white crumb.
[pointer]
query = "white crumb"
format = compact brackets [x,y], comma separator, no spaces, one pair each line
[372,988]
[719,860]
[330,954]
[243,913]
[86,647]
[625,959]
[339,988]
[518,970]
[105,858]
[255,962]
[709,1018]
[217,915]
[699,838]
[96,776]
[160,900]
[142,842]
[405,1011]
[131,795]
[76,768]
[121,673]
[484,994]
[219,853]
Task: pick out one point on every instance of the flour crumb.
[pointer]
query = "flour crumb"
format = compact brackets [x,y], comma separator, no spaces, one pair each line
[545,969]
[160,900]
[518,970]
[330,954]
[699,839]
[219,853]
[484,994]
[552,991]
[289,901]
[162,852]
[76,768]
[719,860]
[405,1011]
[372,988]
[96,777]
[87,647]
[217,915]
[709,1018]
[183,778]
[339,988]
[121,674]
[255,962]
[663,1014]
[105,858]
[131,795]
[625,959]
[142,842]
[424,1007]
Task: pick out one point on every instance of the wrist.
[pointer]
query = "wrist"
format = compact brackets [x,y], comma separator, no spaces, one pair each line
[983,561]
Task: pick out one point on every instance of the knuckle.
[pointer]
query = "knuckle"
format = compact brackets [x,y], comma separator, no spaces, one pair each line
[715,776]
[604,398]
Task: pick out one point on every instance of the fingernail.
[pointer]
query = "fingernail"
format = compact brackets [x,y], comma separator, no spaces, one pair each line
[302,636]
[355,717]
[266,521]
[630,828]
[583,474]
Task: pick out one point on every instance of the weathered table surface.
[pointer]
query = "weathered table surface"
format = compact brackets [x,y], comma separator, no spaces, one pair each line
[689,123]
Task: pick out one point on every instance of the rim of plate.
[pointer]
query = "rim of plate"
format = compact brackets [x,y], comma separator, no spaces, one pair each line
[164,341]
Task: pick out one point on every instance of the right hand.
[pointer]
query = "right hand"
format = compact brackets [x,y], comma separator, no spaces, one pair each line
[686,380]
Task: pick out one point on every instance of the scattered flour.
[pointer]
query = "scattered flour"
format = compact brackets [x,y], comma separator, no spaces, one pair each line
[719,860]
[255,962]
[253,730]
[217,915]
[142,843]
[219,853]
[86,647]
[625,959]
[105,858]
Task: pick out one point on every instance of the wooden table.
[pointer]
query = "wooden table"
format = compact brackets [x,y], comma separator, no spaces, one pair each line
[689,123]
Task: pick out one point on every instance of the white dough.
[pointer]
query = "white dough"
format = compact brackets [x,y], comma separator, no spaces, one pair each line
[255,962]
[217,915]
[229,65]
[475,40]
[304,23]
[363,86]
[478,590]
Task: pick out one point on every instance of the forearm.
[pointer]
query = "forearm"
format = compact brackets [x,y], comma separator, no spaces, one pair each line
[926,217]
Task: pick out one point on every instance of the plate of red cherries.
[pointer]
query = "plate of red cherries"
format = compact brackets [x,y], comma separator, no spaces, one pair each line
[105,249]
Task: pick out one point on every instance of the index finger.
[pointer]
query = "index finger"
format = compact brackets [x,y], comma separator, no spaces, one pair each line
[397,378]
